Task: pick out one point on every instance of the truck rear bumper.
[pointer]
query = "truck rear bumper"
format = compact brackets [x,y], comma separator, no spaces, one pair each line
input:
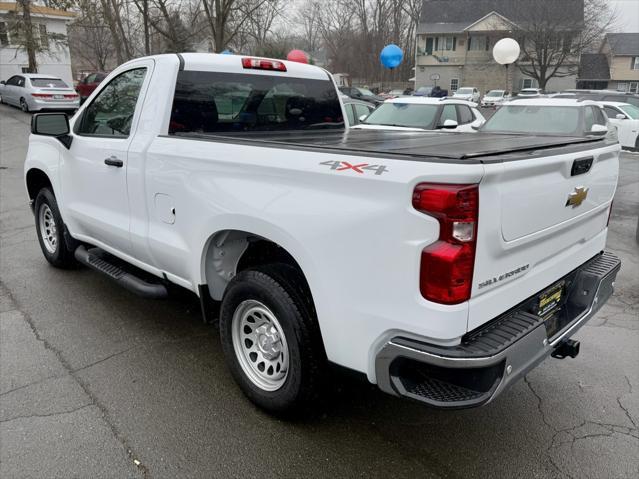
[493,356]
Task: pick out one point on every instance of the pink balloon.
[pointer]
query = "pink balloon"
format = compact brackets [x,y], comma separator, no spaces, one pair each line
[297,56]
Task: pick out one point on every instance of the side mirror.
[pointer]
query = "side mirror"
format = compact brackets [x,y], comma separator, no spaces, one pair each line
[477,124]
[363,117]
[52,124]
[449,124]
[599,130]
[621,116]
[3,82]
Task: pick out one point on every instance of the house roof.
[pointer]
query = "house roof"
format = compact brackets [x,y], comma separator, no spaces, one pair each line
[594,66]
[444,16]
[37,9]
[623,43]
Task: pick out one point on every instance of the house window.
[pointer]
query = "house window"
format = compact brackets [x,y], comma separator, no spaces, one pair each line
[43,37]
[634,87]
[622,86]
[478,43]
[4,34]
[527,83]
[445,43]
[454,84]
[635,63]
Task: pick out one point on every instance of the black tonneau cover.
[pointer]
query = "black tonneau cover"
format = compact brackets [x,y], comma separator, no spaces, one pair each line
[397,144]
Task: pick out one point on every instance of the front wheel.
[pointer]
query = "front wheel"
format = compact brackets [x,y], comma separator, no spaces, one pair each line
[271,339]
[50,229]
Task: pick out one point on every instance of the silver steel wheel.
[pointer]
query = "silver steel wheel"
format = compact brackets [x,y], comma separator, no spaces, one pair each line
[23,105]
[48,229]
[260,345]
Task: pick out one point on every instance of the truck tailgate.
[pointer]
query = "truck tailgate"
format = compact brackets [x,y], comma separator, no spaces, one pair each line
[539,219]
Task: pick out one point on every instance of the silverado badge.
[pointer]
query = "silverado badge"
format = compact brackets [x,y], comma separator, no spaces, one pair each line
[577,197]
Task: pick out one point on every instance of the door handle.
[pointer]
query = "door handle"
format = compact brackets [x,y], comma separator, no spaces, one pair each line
[113,161]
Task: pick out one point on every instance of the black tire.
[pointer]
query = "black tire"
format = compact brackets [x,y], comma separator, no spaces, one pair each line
[61,256]
[24,106]
[282,289]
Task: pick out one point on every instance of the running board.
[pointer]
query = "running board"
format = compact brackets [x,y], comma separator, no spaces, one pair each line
[94,259]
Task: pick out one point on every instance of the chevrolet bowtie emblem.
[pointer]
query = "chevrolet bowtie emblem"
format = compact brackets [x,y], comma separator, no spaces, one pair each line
[577,197]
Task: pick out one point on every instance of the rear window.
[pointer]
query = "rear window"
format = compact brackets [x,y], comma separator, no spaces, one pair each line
[546,120]
[48,83]
[211,102]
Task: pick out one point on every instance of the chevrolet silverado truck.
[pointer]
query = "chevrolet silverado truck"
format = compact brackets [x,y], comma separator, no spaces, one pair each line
[443,266]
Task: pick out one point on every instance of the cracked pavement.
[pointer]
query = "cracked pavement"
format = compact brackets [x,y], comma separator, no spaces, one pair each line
[95,382]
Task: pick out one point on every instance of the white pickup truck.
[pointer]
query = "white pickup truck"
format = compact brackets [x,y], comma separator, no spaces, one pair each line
[443,266]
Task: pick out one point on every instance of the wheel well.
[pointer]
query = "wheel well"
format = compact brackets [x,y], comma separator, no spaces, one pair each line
[36,180]
[232,251]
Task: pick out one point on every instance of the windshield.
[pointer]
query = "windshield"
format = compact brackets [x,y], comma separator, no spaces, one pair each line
[48,83]
[546,120]
[465,91]
[366,91]
[631,110]
[403,114]
[495,93]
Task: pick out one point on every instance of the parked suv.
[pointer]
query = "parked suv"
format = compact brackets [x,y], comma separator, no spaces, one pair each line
[468,94]
[361,94]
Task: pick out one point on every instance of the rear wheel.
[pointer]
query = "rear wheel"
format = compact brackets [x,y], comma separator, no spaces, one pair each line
[50,229]
[23,105]
[271,339]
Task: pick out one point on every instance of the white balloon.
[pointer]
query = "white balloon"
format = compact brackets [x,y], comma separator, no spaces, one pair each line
[506,51]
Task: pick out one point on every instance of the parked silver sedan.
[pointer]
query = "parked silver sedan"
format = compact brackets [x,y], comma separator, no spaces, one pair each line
[36,92]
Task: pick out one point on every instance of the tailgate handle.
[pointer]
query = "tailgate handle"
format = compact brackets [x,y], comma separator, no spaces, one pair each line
[581,166]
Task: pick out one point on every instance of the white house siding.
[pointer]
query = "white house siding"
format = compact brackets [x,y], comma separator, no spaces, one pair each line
[57,63]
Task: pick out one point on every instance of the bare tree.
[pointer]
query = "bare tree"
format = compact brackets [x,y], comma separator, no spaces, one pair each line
[89,38]
[555,34]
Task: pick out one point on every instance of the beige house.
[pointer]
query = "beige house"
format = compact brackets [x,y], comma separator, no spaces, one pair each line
[455,42]
[622,51]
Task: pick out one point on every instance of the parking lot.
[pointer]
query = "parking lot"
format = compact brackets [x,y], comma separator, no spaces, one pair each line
[95,382]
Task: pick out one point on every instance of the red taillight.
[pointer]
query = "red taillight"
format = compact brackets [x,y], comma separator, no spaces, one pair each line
[261,64]
[447,265]
[71,95]
[42,95]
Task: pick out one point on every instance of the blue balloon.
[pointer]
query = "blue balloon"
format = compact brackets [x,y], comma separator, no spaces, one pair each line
[227,52]
[391,56]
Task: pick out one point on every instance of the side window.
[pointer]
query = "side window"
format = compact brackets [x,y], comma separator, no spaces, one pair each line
[89,79]
[13,80]
[361,110]
[448,113]
[465,114]
[350,117]
[611,112]
[589,118]
[600,118]
[20,82]
[111,112]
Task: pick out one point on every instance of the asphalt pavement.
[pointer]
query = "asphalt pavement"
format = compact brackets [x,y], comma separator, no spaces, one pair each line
[97,383]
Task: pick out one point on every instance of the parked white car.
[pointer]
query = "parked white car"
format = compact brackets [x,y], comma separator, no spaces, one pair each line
[37,92]
[443,267]
[625,117]
[418,113]
[530,92]
[495,98]
[467,93]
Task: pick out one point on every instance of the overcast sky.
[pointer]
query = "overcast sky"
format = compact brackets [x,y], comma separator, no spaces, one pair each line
[628,15]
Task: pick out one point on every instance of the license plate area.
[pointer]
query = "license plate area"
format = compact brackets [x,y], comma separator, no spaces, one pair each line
[549,306]
[58,97]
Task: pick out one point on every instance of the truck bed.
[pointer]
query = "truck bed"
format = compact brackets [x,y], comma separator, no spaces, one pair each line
[417,146]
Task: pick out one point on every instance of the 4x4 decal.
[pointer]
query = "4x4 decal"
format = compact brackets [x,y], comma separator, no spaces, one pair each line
[360,168]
